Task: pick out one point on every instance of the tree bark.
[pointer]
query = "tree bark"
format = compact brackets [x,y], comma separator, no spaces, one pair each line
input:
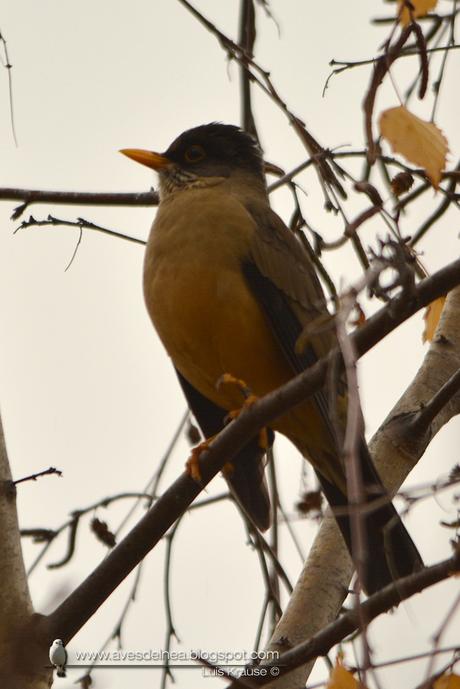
[22,661]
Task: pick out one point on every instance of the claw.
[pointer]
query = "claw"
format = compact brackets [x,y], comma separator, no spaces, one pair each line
[192,465]
[249,399]
[229,379]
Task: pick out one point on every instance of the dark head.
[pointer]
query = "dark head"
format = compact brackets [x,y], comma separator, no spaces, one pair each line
[203,153]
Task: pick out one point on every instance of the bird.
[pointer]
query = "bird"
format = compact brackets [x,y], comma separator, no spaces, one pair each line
[230,290]
[58,657]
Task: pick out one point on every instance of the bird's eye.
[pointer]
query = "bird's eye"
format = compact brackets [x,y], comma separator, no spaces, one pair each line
[194,153]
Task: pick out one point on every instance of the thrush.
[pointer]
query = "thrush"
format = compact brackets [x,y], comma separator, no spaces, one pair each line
[230,289]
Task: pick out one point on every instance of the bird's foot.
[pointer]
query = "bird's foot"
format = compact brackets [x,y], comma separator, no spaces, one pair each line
[192,465]
[249,400]
[229,379]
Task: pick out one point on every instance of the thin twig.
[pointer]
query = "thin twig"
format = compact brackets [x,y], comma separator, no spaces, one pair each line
[78,198]
[274,532]
[439,634]
[170,632]
[438,213]
[33,477]
[247,37]
[423,419]
[381,67]
[80,223]
[9,68]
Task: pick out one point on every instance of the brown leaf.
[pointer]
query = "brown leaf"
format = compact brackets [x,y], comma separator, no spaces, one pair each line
[102,532]
[401,183]
[432,315]
[310,501]
[454,473]
[451,525]
[341,678]
[419,141]
[447,682]
[359,317]
[193,434]
[85,682]
[421,8]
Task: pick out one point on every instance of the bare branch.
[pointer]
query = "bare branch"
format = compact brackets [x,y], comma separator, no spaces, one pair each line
[246,40]
[33,477]
[78,198]
[439,212]
[381,67]
[422,421]
[80,224]
[9,68]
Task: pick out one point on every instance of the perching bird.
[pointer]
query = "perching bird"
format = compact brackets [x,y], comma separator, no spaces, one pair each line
[229,290]
[58,657]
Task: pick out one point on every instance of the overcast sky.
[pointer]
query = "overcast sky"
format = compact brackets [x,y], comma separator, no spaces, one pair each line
[85,384]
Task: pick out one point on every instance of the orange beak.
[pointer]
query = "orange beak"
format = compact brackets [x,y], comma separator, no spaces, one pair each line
[156,161]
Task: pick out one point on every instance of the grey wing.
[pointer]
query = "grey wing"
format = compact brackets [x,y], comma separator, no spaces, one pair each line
[284,281]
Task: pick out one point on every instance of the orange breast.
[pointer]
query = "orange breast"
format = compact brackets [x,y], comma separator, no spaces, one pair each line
[209,321]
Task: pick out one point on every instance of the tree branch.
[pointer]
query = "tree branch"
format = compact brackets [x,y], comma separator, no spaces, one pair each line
[79,223]
[79,198]
[422,421]
[34,477]
[247,37]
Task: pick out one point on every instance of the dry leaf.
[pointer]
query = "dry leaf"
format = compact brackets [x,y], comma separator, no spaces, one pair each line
[193,434]
[419,141]
[341,678]
[432,315]
[401,183]
[421,7]
[451,525]
[310,501]
[447,682]
[359,317]
[103,533]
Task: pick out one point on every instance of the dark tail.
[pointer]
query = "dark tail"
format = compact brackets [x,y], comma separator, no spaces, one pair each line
[247,484]
[389,552]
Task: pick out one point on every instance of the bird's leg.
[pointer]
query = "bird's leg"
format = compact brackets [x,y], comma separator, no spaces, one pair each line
[192,465]
[249,399]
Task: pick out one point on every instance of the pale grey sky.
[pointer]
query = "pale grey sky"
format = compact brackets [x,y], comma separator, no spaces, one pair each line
[85,384]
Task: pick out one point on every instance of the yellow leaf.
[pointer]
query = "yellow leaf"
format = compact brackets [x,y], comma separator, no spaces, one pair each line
[421,7]
[341,678]
[419,141]
[432,315]
[447,682]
